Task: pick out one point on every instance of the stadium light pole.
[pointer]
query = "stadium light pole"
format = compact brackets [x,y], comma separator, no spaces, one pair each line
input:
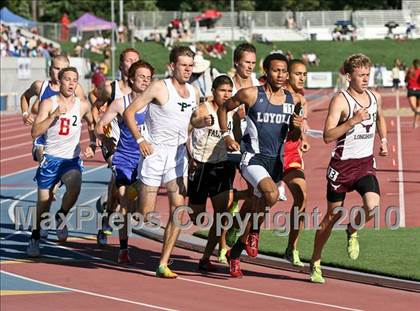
[112,40]
[121,11]
[232,38]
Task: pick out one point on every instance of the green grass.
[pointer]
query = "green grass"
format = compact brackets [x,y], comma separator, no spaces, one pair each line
[387,252]
[331,54]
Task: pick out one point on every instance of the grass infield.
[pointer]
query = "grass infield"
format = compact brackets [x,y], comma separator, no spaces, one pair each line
[394,253]
[332,54]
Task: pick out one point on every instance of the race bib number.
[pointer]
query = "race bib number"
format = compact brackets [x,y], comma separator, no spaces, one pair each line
[332,174]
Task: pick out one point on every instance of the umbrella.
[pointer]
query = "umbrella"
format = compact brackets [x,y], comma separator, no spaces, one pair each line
[211,14]
[391,24]
[343,23]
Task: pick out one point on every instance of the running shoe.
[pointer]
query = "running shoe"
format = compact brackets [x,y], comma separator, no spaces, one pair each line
[222,255]
[124,257]
[33,248]
[234,266]
[62,233]
[106,227]
[282,193]
[251,246]
[101,238]
[164,272]
[235,208]
[316,274]
[206,265]
[232,236]
[353,245]
[293,257]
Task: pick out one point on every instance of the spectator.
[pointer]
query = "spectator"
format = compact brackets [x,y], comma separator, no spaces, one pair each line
[64,21]
[98,76]
[122,33]
[313,59]
[218,49]
[395,73]
[203,76]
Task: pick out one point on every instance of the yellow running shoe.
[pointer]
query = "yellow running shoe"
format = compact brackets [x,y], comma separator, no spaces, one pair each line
[164,272]
[235,208]
[316,274]
[293,257]
[222,255]
[353,245]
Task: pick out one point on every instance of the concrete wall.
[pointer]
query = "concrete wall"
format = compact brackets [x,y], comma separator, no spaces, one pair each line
[11,87]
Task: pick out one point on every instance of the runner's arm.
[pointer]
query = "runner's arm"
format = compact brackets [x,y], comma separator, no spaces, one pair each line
[87,116]
[44,119]
[381,126]
[113,110]
[25,100]
[201,118]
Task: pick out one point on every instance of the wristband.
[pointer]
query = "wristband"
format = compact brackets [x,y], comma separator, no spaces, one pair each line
[225,134]
[384,141]
[140,140]
[25,114]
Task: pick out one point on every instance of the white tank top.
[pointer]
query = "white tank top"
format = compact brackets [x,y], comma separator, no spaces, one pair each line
[207,142]
[63,136]
[167,124]
[358,142]
[255,82]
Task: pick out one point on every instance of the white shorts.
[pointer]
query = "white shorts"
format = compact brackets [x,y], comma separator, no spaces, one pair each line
[166,163]
[256,167]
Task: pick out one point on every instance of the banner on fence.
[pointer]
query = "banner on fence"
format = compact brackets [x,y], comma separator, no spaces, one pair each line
[319,80]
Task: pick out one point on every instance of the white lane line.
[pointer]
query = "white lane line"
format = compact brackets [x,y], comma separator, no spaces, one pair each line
[87,292]
[11,210]
[30,153]
[90,201]
[12,130]
[16,146]
[16,136]
[7,200]
[211,284]
[400,166]
[19,172]
[10,235]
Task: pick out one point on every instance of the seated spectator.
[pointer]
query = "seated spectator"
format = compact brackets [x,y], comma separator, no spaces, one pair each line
[313,59]
[98,77]
[218,49]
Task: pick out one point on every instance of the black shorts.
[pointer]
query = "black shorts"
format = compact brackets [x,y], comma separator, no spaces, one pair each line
[365,184]
[209,180]
[395,83]
[415,93]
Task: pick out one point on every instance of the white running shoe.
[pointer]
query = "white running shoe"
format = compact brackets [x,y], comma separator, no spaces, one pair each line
[62,233]
[33,248]
[282,193]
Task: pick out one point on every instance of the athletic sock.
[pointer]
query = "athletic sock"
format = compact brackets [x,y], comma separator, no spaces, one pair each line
[237,249]
[124,244]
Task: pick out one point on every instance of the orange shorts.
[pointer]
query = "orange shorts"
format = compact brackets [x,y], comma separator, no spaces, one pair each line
[292,157]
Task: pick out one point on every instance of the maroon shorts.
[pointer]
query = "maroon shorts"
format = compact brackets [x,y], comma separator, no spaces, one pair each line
[343,175]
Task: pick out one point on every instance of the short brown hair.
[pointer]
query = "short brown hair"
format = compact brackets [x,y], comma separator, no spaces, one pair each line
[135,66]
[356,61]
[62,58]
[128,50]
[222,80]
[180,51]
[64,70]
[242,48]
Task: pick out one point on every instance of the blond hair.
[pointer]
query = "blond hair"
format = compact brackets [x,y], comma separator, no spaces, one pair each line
[356,61]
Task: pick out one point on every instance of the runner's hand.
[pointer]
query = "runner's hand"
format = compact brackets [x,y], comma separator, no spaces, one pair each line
[361,115]
[28,118]
[383,150]
[146,149]
[208,120]
[231,144]
[89,152]
[61,109]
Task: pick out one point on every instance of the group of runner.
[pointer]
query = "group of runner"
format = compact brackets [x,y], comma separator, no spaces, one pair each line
[156,133]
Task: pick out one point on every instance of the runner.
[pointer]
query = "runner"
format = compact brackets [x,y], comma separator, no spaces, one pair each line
[101,98]
[126,156]
[413,90]
[59,118]
[294,176]
[269,116]
[211,174]
[43,90]
[353,116]
[163,158]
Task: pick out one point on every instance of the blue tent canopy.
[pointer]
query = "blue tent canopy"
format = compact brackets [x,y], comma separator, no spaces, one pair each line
[8,17]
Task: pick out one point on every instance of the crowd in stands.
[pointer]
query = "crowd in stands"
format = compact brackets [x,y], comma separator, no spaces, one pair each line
[17,43]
